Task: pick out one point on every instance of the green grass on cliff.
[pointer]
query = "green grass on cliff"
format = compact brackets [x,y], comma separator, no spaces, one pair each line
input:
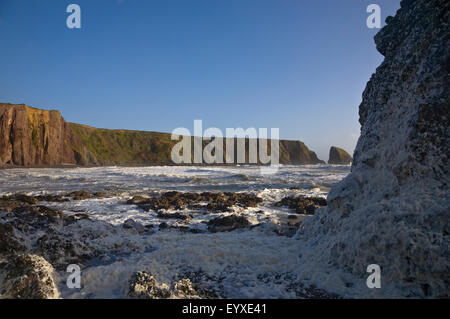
[125,147]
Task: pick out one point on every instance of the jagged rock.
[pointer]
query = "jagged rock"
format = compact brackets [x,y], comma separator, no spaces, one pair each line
[143,285]
[11,240]
[227,223]
[185,289]
[216,202]
[27,277]
[338,156]
[302,205]
[393,208]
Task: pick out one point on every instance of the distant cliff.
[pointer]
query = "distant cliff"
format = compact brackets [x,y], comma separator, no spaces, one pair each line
[339,156]
[32,137]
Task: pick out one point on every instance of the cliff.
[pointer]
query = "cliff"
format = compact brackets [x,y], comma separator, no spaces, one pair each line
[32,137]
[339,156]
[393,209]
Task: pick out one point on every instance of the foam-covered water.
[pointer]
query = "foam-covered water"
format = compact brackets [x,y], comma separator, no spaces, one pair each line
[182,178]
[245,259]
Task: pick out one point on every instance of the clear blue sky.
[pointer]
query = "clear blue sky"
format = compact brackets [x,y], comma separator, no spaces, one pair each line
[153,65]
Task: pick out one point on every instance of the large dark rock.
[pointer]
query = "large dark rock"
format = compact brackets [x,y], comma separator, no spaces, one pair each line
[339,156]
[228,223]
[393,208]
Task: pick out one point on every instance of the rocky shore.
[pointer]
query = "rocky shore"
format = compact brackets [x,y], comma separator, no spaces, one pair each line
[37,241]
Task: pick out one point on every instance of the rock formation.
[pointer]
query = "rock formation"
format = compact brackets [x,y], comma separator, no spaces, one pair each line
[27,277]
[32,137]
[339,156]
[393,208]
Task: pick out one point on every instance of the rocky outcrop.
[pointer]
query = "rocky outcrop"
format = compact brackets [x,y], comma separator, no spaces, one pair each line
[27,277]
[33,137]
[393,208]
[143,285]
[228,223]
[338,156]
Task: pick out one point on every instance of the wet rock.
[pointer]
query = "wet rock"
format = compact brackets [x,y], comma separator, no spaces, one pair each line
[181,216]
[25,199]
[163,225]
[11,240]
[216,202]
[79,195]
[8,205]
[51,198]
[143,285]
[185,289]
[228,223]
[137,200]
[27,277]
[61,249]
[133,225]
[76,217]
[303,205]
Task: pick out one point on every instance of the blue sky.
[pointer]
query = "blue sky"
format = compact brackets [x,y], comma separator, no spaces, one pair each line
[297,65]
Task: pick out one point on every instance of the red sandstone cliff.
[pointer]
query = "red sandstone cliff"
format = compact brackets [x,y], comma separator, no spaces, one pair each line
[33,137]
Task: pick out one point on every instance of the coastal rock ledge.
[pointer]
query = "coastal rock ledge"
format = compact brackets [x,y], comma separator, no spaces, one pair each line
[393,208]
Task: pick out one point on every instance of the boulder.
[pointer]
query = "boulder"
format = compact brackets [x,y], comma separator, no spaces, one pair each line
[27,277]
[227,223]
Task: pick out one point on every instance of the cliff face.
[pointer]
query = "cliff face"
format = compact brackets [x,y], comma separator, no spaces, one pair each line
[32,137]
[393,209]
[339,156]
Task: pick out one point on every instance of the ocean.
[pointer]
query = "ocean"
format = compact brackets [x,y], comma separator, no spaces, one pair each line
[253,262]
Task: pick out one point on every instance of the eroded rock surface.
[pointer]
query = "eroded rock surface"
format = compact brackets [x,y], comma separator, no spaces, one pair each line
[393,208]
[143,285]
[27,277]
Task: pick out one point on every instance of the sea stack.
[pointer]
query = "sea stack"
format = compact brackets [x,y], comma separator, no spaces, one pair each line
[393,209]
[339,156]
